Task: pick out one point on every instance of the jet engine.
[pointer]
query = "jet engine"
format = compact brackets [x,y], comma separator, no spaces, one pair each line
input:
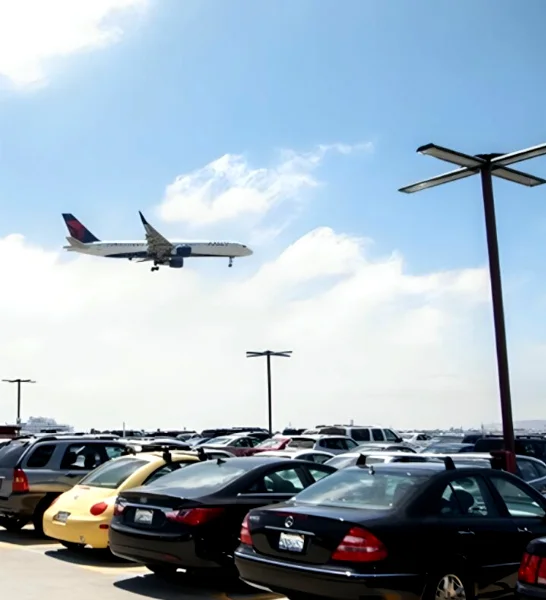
[176,263]
[182,251]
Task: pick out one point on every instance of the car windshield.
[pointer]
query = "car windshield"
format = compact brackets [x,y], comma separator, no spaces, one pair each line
[114,473]
[201,479]
[270,443]
[302,443]
[222,441]
[361,488]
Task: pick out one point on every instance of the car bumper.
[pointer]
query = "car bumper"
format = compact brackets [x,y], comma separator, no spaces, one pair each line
[78,530]
[326,581]
[525,591]
[181,551]
[20,505]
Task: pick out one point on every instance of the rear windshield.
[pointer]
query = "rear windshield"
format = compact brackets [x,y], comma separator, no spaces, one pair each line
[112,474]
[358,488]
[11,453]
[340,462]
[201,479]
[360,435]
[270,443]
[302,443]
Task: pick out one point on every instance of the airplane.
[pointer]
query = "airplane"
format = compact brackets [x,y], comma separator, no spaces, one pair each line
[155,248]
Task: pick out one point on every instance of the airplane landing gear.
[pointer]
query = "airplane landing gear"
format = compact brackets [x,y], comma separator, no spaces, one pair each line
[154,268]
[230,261]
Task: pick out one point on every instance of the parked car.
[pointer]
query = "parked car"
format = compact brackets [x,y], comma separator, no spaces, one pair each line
[526,445]
[191,518]
[350,459]
[532,572]
[410,530]
[81,516]
[316,456]
[359,433]
[448,448]
[238,444]
[335,444]
[34,471]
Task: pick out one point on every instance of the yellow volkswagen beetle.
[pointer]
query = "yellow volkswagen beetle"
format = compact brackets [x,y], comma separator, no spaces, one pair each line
[81,516]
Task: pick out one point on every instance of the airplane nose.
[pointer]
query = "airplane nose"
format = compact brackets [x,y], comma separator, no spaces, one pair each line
[248,251]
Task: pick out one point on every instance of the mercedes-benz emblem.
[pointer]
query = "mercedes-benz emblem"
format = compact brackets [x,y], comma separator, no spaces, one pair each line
[289,522]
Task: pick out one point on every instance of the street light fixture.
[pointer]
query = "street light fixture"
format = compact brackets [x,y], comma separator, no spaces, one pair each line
[18,382]
[268,354]
[489,165]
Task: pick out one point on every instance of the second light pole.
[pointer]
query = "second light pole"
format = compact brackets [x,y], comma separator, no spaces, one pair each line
[268,354]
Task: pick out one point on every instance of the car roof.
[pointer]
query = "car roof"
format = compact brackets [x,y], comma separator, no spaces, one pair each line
[421,467]
[252,462]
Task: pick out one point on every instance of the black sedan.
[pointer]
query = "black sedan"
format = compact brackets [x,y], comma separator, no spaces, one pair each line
[191,518]
[404,530]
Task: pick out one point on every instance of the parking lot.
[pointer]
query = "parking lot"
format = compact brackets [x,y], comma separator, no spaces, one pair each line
[34,567]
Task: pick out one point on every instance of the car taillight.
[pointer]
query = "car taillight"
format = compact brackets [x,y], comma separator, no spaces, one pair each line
[245,536]
[20,481]
[194,516]
[360,545]
[118,509]
[532,569]
[98,509]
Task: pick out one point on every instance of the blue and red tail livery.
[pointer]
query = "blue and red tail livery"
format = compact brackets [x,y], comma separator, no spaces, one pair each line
[78,231]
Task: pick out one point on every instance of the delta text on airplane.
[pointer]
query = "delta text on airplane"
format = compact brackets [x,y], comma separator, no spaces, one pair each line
[154,248]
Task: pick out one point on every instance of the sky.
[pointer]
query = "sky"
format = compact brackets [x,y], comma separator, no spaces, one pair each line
[288,126]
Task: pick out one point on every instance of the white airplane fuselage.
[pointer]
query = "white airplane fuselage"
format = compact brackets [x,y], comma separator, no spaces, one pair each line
[139,249]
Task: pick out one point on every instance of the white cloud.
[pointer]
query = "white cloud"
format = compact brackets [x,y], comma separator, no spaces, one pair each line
[109,341]
[34,31]
[230,188]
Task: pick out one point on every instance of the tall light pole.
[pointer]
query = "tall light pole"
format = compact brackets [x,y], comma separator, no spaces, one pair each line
[18,382]
[268,354]
[489,165]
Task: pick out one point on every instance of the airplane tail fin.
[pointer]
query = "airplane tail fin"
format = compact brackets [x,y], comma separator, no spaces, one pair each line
[78,231]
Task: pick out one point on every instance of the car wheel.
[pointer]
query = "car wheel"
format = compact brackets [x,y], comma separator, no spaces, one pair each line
[72,546]
[12,524]
[162,571]
[38,516]
[448,587]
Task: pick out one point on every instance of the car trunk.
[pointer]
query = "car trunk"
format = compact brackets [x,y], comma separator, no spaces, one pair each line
[10,456]
[306,533]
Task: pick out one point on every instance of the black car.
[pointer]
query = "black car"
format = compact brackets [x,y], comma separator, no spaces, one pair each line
[191,519]
[532,571]
[406,530]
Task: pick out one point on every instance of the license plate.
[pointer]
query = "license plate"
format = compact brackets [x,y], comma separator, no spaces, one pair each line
[144,517]
[62,517]
[291,542]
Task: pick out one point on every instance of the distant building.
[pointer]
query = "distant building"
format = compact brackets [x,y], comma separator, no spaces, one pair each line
[44,425]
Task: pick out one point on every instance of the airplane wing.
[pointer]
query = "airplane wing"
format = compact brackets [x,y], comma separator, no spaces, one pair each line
[157,244]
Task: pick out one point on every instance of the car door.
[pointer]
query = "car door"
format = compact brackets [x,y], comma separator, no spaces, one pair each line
[526,507]
[469,524]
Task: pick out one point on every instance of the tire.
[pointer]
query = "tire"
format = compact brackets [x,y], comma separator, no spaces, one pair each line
[38,516]
[72,546]
[12,524]
[452,585]
[162,571]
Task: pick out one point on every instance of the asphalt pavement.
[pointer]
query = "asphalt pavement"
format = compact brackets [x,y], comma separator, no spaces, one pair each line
[33,568]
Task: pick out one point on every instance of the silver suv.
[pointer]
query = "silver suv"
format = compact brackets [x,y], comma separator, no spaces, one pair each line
[35,470]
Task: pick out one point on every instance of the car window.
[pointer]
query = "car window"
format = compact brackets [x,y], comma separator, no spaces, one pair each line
[541,469]
[527,470]
[359,488]
[164,470]
[81,456]
[11,453]
[114,451]
[377,435]
[361,435]
[40,456]
[302,443]
[317,474]
[316,458]
[390,436]
[201,479]
[518,501]
[112,474]
[282,481]
[350,444]
[468,497]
